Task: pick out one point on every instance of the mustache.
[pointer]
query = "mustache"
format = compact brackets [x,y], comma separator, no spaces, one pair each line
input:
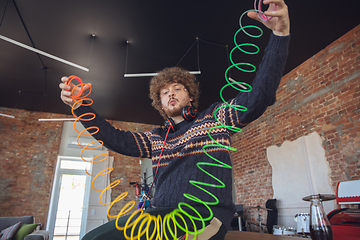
[172,99]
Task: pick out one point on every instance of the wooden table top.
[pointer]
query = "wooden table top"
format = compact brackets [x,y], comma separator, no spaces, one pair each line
[234,235]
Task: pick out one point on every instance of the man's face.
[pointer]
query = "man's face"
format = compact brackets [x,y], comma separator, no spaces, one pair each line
[174,97]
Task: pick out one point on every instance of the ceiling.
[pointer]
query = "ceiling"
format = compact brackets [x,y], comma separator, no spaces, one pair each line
[142,37]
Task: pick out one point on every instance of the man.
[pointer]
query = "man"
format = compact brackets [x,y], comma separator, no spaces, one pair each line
[177,149]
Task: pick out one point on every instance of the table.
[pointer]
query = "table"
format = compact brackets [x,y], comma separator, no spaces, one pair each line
[243,235]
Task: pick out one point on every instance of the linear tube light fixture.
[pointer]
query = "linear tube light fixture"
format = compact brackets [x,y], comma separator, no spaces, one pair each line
[5,115]
[55,119]
[151,74]
[42,53]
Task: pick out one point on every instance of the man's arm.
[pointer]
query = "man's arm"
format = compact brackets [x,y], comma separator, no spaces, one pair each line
[123,142]
[269,73]
[266,81]
[271,68]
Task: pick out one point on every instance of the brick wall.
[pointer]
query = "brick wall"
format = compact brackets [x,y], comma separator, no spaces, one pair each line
[28,152]
[321,95]
[28,155]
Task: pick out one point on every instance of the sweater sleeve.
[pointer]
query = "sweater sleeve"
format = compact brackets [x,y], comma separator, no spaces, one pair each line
[123,142]
[264,86]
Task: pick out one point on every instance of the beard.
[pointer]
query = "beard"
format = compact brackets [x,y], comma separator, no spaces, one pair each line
[174,111]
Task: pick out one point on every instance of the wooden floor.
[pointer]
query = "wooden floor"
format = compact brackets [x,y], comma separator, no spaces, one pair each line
[234,235]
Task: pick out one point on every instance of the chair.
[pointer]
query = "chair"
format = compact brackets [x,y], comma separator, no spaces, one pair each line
[271,219]
[237,222]
[345,222]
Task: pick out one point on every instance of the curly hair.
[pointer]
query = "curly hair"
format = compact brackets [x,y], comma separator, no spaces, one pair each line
[173,75]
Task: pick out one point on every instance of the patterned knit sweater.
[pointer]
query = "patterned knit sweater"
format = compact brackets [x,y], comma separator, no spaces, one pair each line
[184,147]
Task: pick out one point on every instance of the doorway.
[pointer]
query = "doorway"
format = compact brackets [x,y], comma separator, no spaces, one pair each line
[69,200]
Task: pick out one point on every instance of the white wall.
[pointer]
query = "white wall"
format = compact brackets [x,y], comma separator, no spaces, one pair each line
[299,169]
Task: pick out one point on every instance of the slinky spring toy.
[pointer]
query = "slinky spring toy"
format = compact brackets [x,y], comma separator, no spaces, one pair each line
[176,220]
